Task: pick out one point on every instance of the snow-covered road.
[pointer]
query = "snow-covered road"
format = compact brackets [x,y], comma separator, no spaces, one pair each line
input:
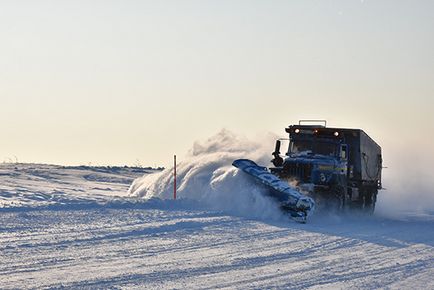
[116,242]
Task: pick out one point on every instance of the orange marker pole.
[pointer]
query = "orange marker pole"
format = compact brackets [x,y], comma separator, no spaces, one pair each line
[174,177]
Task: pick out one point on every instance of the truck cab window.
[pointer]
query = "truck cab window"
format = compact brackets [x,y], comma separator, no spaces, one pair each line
[313,147]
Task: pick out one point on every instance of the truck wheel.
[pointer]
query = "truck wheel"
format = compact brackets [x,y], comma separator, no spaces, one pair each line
[338,199]
[369,202]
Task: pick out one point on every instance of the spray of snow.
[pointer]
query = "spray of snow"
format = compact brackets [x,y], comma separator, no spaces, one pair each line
[206,175]
[408,193]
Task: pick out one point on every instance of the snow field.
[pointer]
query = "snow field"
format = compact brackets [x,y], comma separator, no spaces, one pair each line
[120,242]
[88,227]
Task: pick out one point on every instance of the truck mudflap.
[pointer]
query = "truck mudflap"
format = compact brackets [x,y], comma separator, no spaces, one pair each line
[298,205]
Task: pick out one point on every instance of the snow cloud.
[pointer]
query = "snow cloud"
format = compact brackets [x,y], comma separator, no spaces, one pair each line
[206,174]
[408,192]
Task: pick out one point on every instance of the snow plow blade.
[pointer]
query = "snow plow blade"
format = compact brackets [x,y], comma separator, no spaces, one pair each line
[298,205]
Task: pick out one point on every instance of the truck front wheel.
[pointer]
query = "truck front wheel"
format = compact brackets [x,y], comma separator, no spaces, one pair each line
[338,198]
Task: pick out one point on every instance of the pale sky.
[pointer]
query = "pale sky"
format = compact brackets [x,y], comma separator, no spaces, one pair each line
[113,82]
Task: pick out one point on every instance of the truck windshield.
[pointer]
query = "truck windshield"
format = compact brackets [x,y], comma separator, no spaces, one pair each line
[313,147]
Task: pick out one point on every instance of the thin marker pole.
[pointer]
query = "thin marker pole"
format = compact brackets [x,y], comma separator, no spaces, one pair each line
[174,176]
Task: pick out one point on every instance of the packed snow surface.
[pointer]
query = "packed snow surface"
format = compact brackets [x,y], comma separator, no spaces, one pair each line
[88,227]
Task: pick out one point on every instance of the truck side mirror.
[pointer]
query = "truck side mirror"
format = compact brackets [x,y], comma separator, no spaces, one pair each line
[344,151]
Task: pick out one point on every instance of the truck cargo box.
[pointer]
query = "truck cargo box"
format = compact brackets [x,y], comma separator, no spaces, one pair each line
[365,160]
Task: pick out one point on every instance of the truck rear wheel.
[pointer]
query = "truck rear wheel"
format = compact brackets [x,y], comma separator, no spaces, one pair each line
[369,201]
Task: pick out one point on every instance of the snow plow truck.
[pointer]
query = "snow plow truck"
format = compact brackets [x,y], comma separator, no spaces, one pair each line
[333,169]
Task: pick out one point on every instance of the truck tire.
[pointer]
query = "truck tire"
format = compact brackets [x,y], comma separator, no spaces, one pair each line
[370,199]
[337,199]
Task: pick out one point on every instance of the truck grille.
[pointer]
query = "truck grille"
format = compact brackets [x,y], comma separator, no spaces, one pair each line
[301,171]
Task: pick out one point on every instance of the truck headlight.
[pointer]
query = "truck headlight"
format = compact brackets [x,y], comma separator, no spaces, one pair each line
[322,177]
